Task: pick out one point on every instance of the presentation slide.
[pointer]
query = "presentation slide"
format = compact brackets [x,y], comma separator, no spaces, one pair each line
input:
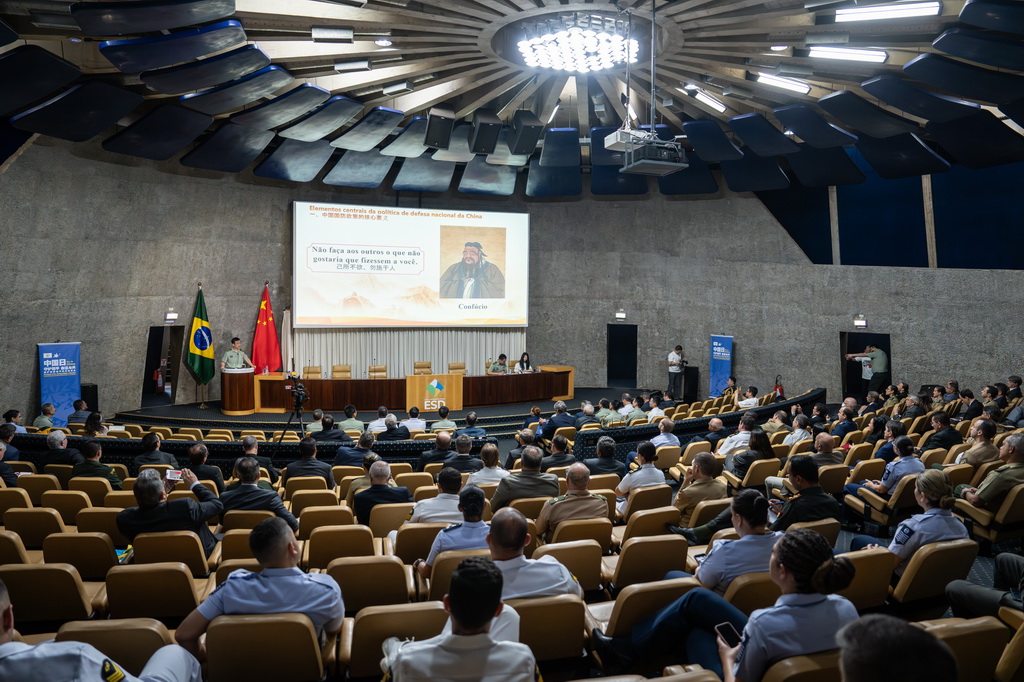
[370,266]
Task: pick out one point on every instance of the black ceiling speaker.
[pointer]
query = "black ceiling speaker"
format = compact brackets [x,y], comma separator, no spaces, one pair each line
[486,126]
[440,122]
[526,131]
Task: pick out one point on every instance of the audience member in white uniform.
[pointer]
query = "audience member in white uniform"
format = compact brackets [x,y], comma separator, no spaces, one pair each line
[468,652]
[492,471]
[442,508]
[78,661]
[740,440]
[414,423]
[378,425]
[544,577]
[646,475]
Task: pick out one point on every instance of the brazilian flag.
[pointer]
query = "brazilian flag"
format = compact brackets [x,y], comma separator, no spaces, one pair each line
[200,343]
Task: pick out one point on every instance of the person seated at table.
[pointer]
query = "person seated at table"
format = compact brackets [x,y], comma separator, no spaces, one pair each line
[500,367]
[523,366]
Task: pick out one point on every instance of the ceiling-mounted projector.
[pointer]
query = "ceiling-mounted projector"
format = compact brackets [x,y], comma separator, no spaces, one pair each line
[654,157]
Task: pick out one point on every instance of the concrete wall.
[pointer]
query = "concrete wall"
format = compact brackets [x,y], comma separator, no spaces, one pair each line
[97,247]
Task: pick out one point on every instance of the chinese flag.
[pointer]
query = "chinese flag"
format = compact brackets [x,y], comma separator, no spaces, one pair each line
[266,349]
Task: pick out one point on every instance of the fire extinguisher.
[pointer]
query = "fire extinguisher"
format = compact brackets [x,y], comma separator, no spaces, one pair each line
[780,392]
[158,377]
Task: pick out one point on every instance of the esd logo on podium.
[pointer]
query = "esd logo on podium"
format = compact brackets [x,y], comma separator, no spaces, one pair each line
[434,389]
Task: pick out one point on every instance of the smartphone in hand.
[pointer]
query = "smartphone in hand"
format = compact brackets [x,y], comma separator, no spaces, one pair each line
[728,634]
[174,475]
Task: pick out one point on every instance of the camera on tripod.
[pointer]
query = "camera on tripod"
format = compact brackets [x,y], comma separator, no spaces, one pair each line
[298,391]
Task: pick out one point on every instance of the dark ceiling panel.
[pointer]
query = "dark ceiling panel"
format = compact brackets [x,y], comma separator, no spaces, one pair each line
[160,134]
[862,115]
[370,130]
[710,142]
[607,180]
[423,174]
[979,141]
[695,179]
[230,149]
[336,112]
[7,34]
[146,16]
[295,161]
[900,156]
[409,142]
[965,80]
[1015,110]
[1001,52]
[237,94]
[283,108]
[812,128]
[28,74]
[761,137]
[480,177]
[561,148]
[816,167]
[360,169]
[998,15]
[753,173]
[143,54]
[904,95]
[208,72]
[553,181]
[80,113]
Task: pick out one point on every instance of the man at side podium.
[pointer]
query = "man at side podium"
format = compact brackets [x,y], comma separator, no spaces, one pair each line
[235,358]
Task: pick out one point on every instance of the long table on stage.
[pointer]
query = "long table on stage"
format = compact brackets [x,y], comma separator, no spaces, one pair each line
[554,382]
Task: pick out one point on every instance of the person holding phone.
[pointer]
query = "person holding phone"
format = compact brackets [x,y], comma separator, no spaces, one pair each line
[804,620]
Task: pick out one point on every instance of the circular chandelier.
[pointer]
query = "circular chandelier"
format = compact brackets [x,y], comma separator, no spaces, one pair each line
[579,44]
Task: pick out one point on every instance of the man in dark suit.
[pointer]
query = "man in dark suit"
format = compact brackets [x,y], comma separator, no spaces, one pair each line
[605,462]
[945,436]
[462,461]
[91,467]
[1014,392]
[973,407]
[59,452]
[913,408]
[559,456]
[197,455]
[7,432]
[525,438]
[585,416]
[529,482]
[156,514]
[309,465]
[249,496]
[151,453]
[329,432]
[471,430]
[716,432]
[250,446]
[7,473]
[560,419]
[393,430]
[847,415]
[441,451]
[353,456]
[379,492]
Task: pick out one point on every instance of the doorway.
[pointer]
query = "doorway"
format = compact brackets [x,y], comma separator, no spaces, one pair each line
[163,358]
[622,355]
[855,342]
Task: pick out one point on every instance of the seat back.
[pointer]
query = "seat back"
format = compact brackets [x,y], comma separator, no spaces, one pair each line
[93,486]
[801,446]
[172,545]
[603,482]
[870,585]
[443,567]
[599,530]
[23,466]
[853,438]
[130,592]
[650,497]
[759,471]
[858,452]
[833,477]
[61,471]
[378,371]
[413,540]
[752,591]
[14,498]
[823,665]
[374,624]
[244,518]
[46,593]
[933,567]
[296,483]
[668,456]
[301,499]
[636,602]
[867,469]
[422,367]
[371,581]
[229,641]
[829,528]
[977,644]
[235,545]
[36,484]
[229,566]
[650,522]
[553,627]
[646,559]
[385,518]
[318,517]
[328,543]
[705,511]
[12,549]
[33,525]
[530,506]
[67,503]
[581,557]
[341,371]
[982,472]
[1011,664]
[341,471]
[569,432]
[312,372]
[414,480]
[1011,511]
[92,554]
[102,520]
[131,641]
[457,368]
[933,456]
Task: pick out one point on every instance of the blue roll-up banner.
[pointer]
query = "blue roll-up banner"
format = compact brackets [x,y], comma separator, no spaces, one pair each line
[721,364]
[59,380]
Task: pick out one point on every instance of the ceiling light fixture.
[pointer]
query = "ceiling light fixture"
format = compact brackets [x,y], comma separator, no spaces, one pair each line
[361,65]
[784,83]
[713,102]
[848,54]
[332,34]
[382,42]
[779,48]
[554,111]
[578,45]
[898,11]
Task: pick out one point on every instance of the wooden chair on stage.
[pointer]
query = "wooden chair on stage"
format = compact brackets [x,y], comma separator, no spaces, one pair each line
[457,368]
[422,367]
[341,371]
[311,372]
[378,371]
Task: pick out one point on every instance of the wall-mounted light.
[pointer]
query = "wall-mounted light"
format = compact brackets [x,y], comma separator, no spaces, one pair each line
[170,317]
[860,322]
[620,315]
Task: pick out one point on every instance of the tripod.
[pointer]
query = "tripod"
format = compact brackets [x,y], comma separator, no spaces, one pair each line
[295,415]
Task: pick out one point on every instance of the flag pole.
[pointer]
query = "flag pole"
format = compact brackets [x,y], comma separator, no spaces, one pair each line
[202,402]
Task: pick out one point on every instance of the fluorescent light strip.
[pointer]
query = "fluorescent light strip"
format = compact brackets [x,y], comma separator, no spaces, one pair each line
[784,83]
[848,54]
[897,11]
[710,101]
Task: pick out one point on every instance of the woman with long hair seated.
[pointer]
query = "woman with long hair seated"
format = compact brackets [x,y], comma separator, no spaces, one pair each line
[94,425]
[492,471]
[759,447]
[523,366]
[534,416]
[804,620]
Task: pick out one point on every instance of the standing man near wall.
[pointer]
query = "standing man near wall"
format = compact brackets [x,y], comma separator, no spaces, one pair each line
[880,374]
[675,371]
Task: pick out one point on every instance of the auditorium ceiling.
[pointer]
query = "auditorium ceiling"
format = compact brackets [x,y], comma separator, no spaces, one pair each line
[418,96]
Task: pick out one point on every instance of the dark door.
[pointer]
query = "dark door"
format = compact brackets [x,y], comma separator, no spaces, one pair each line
[855,342]
[622,355]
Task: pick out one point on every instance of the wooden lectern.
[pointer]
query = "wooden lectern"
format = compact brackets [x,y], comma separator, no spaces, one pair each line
[237,396]
[428,392]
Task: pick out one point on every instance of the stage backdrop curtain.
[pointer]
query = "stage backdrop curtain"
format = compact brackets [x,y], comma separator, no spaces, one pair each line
[287,345]
[400,348]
